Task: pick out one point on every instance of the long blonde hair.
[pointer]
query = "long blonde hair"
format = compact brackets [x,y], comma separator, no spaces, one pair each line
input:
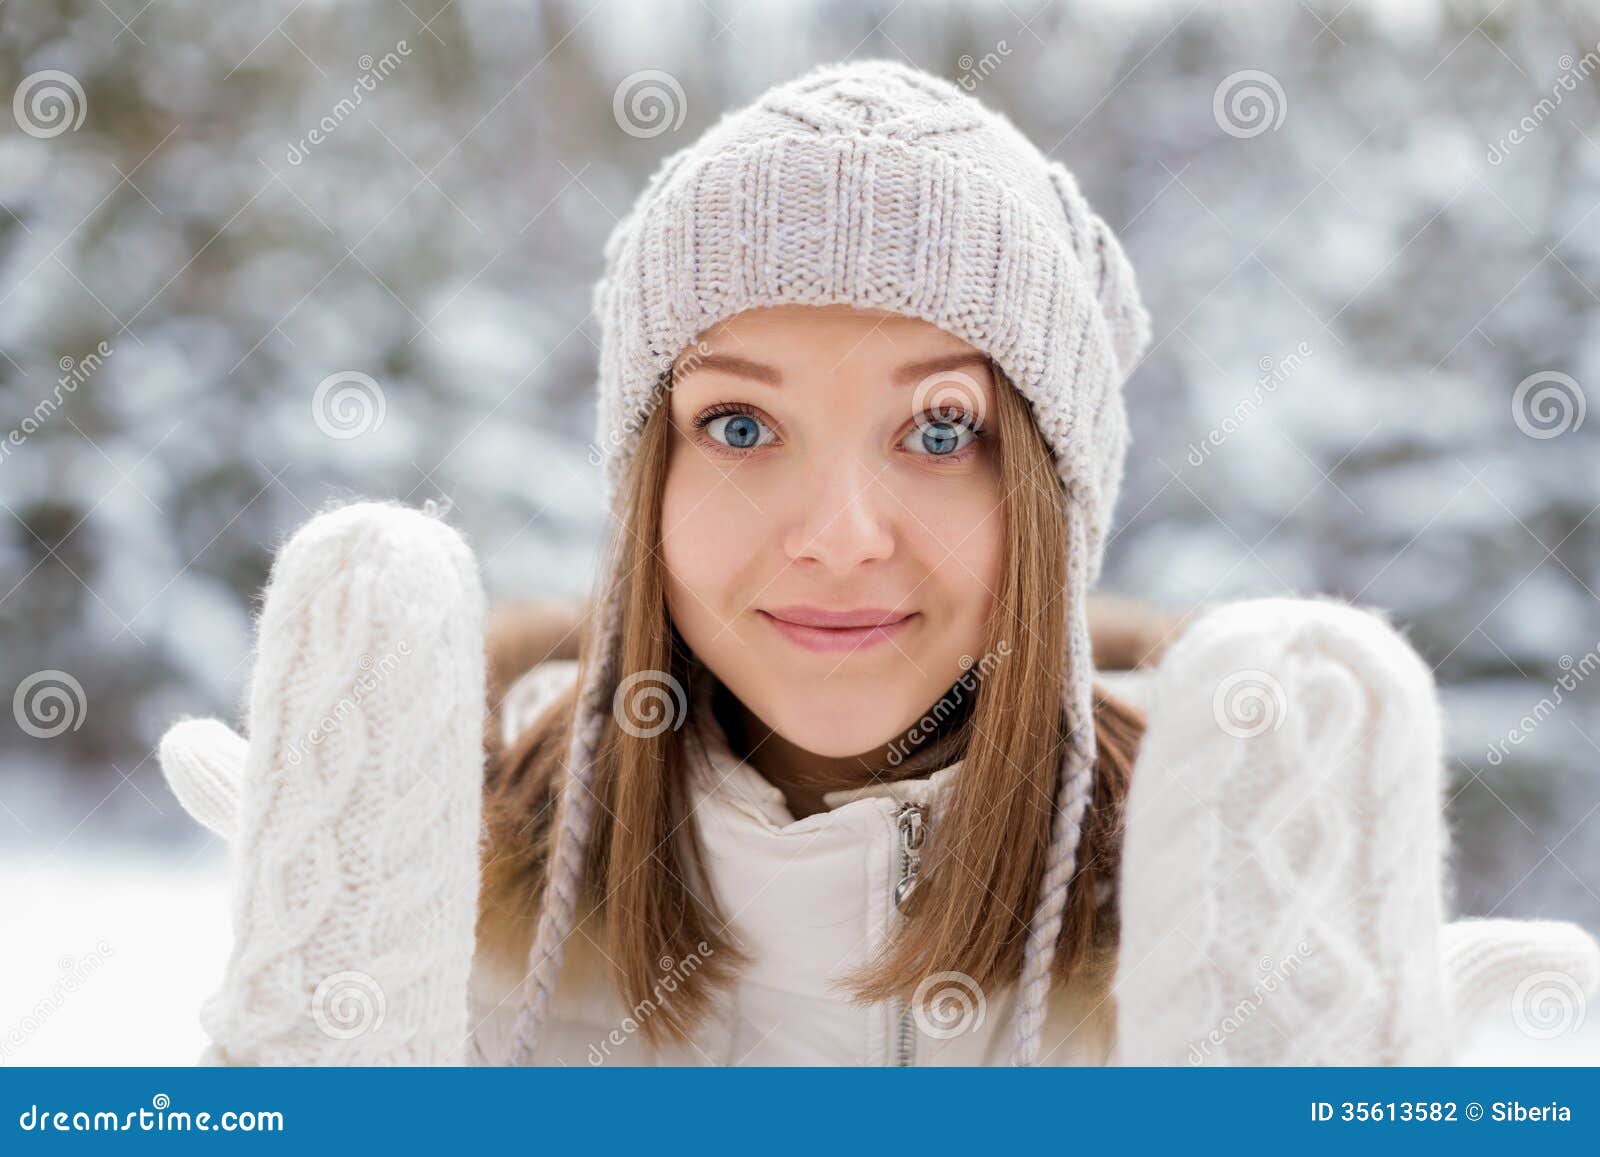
[985,851]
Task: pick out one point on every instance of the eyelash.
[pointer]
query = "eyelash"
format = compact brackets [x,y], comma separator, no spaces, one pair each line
[727,409]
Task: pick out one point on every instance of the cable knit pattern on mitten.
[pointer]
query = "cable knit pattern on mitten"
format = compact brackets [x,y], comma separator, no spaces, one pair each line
[356,865]
[1282,876]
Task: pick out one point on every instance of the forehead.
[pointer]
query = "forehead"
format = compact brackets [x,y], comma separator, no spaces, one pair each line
[810,325]
[801,341]
[831,348]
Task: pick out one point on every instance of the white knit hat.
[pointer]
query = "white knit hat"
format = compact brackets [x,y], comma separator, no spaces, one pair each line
[871,184]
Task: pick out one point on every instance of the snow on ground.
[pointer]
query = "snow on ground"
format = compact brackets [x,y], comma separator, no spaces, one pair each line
[109,957]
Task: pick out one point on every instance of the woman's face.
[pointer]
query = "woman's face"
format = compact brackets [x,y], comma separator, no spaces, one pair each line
[823,461]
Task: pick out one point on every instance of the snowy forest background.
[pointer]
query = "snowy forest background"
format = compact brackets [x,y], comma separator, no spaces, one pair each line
[1386,213]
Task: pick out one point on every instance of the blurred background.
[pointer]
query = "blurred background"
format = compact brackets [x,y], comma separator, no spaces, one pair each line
[257,258]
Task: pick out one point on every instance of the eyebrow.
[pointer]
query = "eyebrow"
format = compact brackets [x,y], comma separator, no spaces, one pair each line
[905,375]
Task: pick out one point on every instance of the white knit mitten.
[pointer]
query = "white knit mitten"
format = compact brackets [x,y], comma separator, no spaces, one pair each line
[1283,871]
[355,805]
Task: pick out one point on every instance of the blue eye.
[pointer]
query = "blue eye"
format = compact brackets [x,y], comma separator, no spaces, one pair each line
[743,431]
[935,436]
[940,439]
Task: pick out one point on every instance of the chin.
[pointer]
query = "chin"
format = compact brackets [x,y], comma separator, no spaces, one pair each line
[835,727]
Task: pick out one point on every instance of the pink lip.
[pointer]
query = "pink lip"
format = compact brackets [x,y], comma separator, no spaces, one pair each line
[831,632]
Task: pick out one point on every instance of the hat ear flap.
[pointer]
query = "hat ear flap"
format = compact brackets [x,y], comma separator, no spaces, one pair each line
[1101,255]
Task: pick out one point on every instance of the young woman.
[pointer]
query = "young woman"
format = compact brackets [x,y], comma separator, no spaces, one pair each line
[830,776]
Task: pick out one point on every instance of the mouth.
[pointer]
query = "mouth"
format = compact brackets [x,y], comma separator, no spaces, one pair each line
[834,632]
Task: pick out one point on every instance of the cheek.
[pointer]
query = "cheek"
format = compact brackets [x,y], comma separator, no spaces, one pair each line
[961,532]
[708,531]
[980,559]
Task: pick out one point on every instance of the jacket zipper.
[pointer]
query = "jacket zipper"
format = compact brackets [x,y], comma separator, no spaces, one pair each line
[911,830]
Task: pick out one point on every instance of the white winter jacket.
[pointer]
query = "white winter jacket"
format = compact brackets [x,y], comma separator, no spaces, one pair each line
[809,900]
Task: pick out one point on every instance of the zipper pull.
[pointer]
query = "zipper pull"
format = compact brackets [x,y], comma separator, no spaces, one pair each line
[909,822]
[910,828]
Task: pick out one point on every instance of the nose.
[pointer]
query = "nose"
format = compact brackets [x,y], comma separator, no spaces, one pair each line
[844,514]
